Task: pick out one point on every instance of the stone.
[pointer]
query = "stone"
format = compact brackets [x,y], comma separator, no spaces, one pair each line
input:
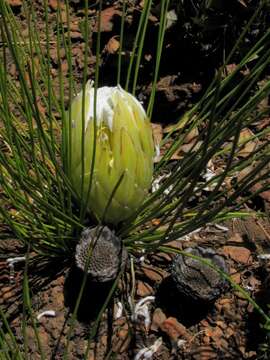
[7,292]
[237,253]
[107,19]
[15,2]
[54,4]
[144,289]
[175,330]
[204,353]
[236,276]
[154,274]
[113,45]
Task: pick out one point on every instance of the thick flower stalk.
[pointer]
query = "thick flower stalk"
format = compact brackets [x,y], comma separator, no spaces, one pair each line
[123,154]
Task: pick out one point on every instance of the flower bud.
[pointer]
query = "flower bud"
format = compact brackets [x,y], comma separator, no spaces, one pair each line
[124,150]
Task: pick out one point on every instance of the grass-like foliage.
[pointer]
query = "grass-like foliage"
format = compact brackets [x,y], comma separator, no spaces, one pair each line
[37,202]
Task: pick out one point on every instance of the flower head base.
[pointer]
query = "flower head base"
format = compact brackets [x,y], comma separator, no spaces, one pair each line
[107,255]
[196,280]
[124,151]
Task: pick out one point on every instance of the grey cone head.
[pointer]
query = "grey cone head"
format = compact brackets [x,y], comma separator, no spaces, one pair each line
[105,249]
[197,280]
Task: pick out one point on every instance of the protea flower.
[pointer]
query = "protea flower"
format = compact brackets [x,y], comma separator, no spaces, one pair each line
[124,150]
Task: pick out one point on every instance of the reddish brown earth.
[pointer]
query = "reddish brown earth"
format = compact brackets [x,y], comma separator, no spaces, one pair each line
[226,329]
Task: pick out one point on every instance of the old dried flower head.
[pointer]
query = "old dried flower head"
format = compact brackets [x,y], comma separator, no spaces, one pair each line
[100,253]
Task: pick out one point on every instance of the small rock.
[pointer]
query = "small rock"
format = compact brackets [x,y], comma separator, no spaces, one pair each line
[221,324]
[222,307]
[237,253]
[265,195]
[162,256]
[214,333]
[225,301]
[7,292]
[236,238]
[106,19]
[15,2]
[221,343]
[158,319]
[229,332]
[112,45]
[175,330]
[154,274]
[177,244]
[144,289]
[204,323]
[54,4]
[204,353]
[206,340]
[235,276]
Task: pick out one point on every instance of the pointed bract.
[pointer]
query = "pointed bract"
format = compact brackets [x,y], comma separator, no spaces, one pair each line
[124,148]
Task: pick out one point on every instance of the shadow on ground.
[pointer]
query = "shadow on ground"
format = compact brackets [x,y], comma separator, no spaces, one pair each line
[94,295]
[186,310]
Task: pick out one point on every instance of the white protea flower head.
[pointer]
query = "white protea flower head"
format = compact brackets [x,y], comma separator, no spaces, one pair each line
[124,147]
